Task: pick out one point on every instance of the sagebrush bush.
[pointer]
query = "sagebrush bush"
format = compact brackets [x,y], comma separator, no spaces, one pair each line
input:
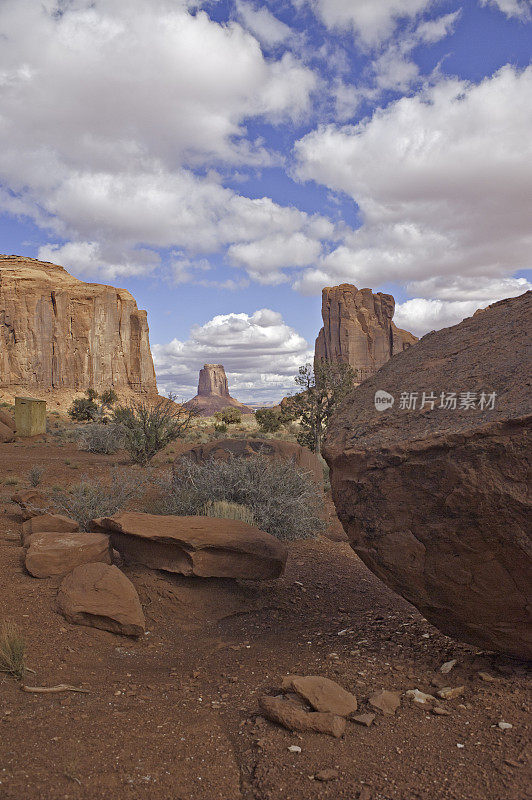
[230,415]
[35,475]
[99,437]
[12,651]
[284,500]
[91,498]
[83,409]
[222,509]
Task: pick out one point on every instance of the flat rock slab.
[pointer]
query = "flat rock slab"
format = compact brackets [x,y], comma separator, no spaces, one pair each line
[100,595]
[294,718]
[51,554]
[203,546]
[321,693]
[47,523]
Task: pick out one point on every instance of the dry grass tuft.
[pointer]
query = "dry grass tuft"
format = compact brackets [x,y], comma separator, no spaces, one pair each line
[223,509]
[12,651]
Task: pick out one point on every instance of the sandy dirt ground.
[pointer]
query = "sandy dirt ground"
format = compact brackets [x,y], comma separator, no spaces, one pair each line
[175,715]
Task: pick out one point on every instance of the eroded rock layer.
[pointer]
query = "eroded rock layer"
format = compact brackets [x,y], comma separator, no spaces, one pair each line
[435,500]
[358,329]
[57,332]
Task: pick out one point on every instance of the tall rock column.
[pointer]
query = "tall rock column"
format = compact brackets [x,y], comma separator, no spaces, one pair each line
[358,329]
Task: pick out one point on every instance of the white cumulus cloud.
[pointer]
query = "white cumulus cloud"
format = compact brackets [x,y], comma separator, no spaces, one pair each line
[512,8]
[260,352]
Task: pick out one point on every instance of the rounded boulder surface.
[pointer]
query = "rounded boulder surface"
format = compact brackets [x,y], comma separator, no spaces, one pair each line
[100,595]
[435,499]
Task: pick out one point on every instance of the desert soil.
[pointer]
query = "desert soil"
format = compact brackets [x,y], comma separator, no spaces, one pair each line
[175,714]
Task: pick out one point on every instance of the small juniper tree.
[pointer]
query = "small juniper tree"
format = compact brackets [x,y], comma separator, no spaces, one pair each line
[322,389]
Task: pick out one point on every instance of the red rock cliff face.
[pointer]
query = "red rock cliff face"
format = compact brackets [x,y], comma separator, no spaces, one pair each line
[57,332]
[358,329]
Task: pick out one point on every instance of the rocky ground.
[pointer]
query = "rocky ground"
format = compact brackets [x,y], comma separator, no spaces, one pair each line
[176,713]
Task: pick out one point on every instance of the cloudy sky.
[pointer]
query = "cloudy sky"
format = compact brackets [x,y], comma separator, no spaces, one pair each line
[225,160]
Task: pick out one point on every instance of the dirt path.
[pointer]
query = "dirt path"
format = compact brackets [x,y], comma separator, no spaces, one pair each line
[175,714]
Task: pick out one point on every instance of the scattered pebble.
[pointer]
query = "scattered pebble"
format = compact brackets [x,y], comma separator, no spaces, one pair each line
[485,676]
[461,746]
[294,748]
[363,719]
[447,667]
[385,701]
[441,712]
[505,726]
[419,697]
[327,775]
[450,692]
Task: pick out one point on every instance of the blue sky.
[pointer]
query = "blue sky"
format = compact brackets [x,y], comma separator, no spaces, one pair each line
[226,160]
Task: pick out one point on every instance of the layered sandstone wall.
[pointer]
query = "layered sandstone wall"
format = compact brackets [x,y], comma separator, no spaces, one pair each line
[57,332]
[358,329]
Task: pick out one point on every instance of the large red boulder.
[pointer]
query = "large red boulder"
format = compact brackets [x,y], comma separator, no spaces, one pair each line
[204,546]
[436,500]
[47,523]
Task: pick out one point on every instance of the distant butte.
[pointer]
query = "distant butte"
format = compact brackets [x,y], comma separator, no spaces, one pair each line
[213,392]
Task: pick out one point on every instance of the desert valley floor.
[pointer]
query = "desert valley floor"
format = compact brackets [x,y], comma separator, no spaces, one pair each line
[175,714]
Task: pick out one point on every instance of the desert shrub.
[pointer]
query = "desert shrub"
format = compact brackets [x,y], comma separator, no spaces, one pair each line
[83,409]
[269,419]
[12,651]
[108,398]
[34,475]
[91,498]
[229,415]
[284,500]
[150,427]
[101,438]
[222,509]
[220,427]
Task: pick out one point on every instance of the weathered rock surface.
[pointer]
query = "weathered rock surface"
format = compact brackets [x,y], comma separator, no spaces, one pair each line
[61,333]
[47,523]
[101,596]
[7,419]
[321,693]
[204,546]
[32,503]
[358,329]
[385,701]
[213,392]
[6,434]
[436,501]
[294,718]
[51,554]
[223,449]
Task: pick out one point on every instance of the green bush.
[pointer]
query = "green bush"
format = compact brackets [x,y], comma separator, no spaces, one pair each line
[229,415]
[150,427]
[108,397]
[269,419]
[220,427]
[83,409]
[283,500]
